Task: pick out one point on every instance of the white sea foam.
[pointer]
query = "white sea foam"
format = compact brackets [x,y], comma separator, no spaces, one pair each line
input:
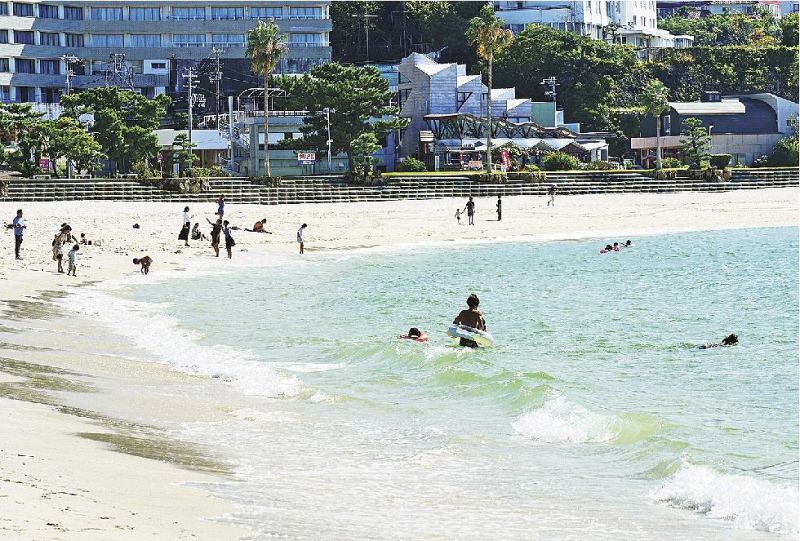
[560,421]
[749,502]
[151,329]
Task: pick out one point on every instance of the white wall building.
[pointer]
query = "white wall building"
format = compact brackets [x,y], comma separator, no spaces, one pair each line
[631,22]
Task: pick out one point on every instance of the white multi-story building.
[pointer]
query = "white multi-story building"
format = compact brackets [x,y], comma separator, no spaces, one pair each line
[631,22]
[44,41]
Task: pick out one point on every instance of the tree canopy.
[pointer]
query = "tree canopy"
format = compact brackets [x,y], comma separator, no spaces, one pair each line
[123,122]
[357,97]
[726,29]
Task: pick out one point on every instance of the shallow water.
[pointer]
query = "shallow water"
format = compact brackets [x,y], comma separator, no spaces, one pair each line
[595,416]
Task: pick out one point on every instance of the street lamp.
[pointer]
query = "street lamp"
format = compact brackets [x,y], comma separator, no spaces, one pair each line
[709,129]
[328,112]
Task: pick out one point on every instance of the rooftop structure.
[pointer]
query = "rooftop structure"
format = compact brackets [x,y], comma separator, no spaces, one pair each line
[778,8]
[447,112]
[46,46]
[746,126]
[618,21]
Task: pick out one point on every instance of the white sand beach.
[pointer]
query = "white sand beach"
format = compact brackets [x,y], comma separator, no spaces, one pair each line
[57,485]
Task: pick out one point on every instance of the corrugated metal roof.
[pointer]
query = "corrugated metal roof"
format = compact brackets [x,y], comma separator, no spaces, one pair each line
[724,107]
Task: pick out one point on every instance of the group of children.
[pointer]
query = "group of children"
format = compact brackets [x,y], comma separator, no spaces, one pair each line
[616,247]
[61,239]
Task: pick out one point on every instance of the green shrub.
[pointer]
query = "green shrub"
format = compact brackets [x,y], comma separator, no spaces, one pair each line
[528,176]
[600,165]
[411,165]
[671,163]
[214,171]
[531,168]
[720,161]
[493,178]
[784,153]
[560,161]
[143,171]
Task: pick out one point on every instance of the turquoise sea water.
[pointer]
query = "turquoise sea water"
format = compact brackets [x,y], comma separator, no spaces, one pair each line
[595,416]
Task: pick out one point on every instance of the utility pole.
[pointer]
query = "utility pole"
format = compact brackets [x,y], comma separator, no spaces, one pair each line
[328,112]
[189,76]
[69,60]
[216,77]
[366,17]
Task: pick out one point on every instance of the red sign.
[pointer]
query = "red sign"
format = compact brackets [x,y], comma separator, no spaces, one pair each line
[504,158]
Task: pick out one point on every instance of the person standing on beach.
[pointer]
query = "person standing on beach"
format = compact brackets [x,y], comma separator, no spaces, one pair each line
[229,242]
[220,206]
[19,227]
[216,229]
[187,225]
[458,216]
[300,236]
[470,208]
[472,318]
[73,254]
[551,191]
[499,209]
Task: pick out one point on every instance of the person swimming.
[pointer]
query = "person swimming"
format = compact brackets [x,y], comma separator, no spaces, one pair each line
[415,334]
[730,340]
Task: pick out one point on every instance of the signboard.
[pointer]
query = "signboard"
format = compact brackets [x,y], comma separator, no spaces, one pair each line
[504,158]
[44,163]
[306,158]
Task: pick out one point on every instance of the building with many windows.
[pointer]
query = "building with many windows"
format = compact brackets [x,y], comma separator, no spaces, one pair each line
[629,22]
[146,45]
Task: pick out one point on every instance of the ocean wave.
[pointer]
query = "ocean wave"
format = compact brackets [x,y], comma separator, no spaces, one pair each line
[560,421]
[154,331]
[750,503]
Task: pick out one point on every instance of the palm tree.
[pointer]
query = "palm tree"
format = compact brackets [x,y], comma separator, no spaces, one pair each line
[265,47]
[487,33]
[654,101]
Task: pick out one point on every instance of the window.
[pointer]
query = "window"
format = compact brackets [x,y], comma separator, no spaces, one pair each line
[3,10]
[5,93]
[48,12]
[49,38]
[50,67]
[23,10]
[189,40]
[25,65]
[3,36]
[305,13]
[106,14]
[107,40]
[190,14]
[73,40]
[219,14]
[23,36]
[26,94]
[666,127]
[634,19]
[145,40]
[73,13]
[305,40]
[144,14]
[4,65]
[228,40]
[266,13]
[461,97]
[158,65]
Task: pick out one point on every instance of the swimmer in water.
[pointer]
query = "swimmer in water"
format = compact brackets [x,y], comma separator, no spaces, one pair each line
[730,340]
[415,334]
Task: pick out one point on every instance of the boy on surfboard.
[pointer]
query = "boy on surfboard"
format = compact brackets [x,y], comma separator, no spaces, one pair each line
[471,318]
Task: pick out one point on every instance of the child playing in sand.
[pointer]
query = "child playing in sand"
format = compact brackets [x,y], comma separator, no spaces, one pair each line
[73,254]
[145,262]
